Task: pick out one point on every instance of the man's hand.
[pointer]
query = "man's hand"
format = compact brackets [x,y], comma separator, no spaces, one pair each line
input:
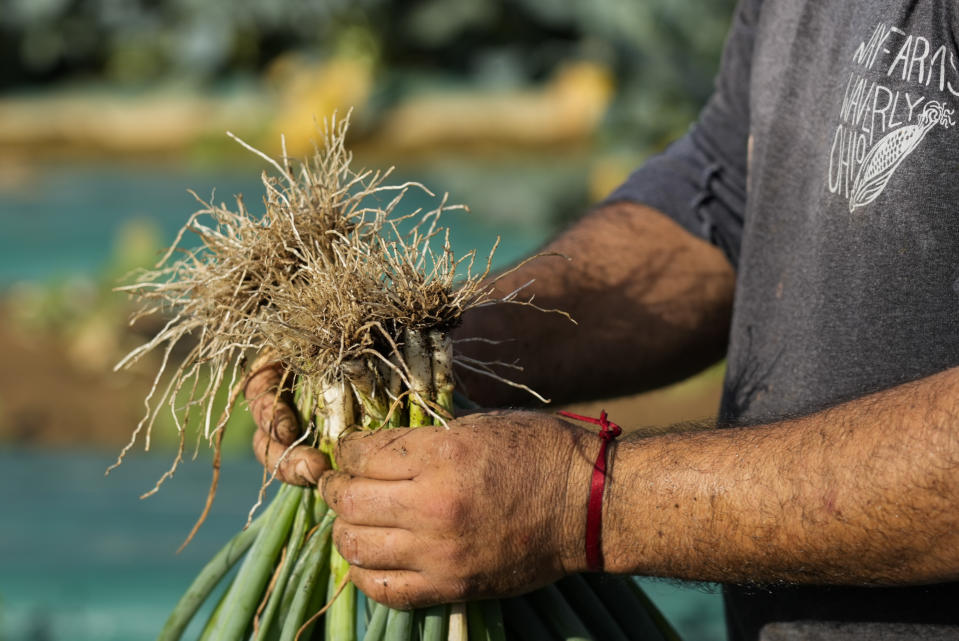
[278,428]
[494,505]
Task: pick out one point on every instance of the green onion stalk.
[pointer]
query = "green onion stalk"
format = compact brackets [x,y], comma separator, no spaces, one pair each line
[310,595]
[358,309]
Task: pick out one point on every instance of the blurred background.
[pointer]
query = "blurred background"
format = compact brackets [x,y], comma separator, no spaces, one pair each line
[527,111]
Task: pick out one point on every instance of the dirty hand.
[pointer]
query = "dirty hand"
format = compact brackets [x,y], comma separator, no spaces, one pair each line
[494,505]
[278,428]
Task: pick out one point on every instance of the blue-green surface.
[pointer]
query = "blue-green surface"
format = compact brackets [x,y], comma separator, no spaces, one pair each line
[62,220]
[82,558]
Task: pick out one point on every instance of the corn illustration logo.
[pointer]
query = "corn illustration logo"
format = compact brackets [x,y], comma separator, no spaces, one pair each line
[885,157]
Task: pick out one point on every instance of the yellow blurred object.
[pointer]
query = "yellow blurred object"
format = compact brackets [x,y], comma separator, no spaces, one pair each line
[567,110]
[93,346]
[581,92]
[607,173]
[155,121]
[311,91]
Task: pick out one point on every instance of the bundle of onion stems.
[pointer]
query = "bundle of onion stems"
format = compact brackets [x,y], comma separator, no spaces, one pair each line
[355,297]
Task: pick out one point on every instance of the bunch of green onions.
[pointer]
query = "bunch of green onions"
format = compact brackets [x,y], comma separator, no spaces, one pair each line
[357,304]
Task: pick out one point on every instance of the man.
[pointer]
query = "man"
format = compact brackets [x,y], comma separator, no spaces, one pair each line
[822,173]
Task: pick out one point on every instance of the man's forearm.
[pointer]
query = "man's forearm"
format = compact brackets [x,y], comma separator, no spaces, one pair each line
[651,304]
[862,493]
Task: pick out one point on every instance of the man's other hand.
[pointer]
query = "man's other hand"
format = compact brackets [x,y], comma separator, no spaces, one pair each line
[493,505]
[278,428]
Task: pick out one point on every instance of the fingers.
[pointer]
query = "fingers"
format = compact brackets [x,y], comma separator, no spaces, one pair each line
[387,455]
[363,501]
[376,548]
[278,428]
[404,589]
[271,410]
[302,465]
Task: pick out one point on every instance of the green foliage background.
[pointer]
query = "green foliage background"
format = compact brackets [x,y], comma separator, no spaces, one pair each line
[663,52]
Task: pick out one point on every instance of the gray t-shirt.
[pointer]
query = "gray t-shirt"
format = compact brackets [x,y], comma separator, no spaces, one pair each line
[826,166]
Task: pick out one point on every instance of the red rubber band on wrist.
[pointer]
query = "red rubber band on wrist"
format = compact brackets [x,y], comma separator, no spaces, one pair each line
[594,512]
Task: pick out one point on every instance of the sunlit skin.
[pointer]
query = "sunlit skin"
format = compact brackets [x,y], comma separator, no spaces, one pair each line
[861,493]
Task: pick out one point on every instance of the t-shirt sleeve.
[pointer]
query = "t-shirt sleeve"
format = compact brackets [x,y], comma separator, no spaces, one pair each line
[700,180]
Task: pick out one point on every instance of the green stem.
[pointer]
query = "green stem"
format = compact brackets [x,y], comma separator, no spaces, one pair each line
[363,380]
[590,608]
[311,578]
[486,621]
[247,590]
[632,615]
[419,362]
[208,578]
[376,628]
[442,346]
[434,623]
[305,401]
[301,523]
[362,614]
[493,617]
[399,625]
[320,509]
[210,625]
[393,386]
[303,563]
[559,615]
[476,622]
[341,617]
[321,593]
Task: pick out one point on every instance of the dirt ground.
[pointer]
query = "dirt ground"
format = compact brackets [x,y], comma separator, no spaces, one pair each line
[47,400]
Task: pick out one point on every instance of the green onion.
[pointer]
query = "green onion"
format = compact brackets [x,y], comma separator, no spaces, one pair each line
[632,615]
[559,615]
[376,628]
[247,590]
[207,632]
[341,617]
[476,622]
[418,361]
[434,623]
[208,578]
[312,577]
[301,523]
[399,625]
[492,614]
[590,608]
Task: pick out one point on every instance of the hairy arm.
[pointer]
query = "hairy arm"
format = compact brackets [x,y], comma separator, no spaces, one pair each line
[862,493]
[651,303]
